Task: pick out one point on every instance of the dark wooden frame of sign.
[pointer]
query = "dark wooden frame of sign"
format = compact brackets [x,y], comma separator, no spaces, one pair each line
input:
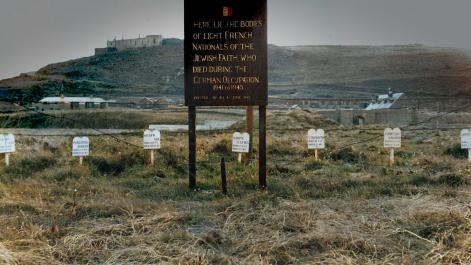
[253,93]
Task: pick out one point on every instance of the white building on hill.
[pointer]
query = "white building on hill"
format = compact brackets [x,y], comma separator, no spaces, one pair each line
[61,103]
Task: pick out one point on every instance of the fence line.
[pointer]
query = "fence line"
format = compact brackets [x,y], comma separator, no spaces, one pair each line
[405,128]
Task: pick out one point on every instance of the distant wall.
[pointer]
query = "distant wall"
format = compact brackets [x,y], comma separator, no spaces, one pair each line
[398,117]
[102,51]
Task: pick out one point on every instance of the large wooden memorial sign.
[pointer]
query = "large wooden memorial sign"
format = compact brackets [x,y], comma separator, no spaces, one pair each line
[226,53]
[226,64]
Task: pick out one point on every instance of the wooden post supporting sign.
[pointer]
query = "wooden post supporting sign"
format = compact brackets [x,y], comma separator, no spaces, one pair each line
[249,129]
[262,156]
[391,157]
[7,159]
[226,65]
[192,145]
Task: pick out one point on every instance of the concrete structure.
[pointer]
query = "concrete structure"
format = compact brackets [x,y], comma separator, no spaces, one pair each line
[397,117]
[62,103]
[127,44]
[319,103]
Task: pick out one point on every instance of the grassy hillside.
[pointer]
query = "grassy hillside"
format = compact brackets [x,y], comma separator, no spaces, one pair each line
[300,71]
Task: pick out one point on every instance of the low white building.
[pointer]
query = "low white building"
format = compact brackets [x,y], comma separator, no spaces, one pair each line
[61,103]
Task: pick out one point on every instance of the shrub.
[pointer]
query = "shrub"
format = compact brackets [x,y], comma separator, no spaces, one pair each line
[27,166]
[348,155]
[451,180]
[404,154]
[223,148]
[457,152]
[117,165]
[313,165]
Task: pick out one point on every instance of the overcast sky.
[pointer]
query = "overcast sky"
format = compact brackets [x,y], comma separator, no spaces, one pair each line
[34,33]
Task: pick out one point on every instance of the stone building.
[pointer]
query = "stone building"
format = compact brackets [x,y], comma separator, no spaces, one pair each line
[127,44]
[388,101]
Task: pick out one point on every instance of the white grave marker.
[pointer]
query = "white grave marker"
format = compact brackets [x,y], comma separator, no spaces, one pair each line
[151,139]
[316,140]
[152,142]
[466,141]
[392,139]
[81,148]
[240,144]
[7,146]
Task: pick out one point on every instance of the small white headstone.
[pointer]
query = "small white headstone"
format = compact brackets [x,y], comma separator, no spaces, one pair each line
[240,142]
[81,147]
[151,139]
[316,139]
[7,143]
[392,138]
[466,139]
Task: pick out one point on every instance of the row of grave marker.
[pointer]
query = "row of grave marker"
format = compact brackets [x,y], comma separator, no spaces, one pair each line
[240,143]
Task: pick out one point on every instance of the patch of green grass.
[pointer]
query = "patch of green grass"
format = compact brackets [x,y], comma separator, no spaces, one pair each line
[17,208]
[313,165]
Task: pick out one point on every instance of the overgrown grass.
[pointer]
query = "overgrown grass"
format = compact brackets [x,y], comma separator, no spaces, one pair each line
[350,207]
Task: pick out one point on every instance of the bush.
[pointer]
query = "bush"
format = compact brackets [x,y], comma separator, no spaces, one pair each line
[313,165]
[457,152]
[452,180]
[348,155]
[222,148]
[117,165]
[404,154]
[27,166]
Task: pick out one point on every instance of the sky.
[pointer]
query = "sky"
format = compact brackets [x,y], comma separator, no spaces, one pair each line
[34,33]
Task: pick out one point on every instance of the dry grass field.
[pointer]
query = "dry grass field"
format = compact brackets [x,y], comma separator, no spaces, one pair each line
[349,208]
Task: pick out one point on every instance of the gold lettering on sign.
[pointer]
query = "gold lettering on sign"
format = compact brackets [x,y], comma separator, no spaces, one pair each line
[225,55]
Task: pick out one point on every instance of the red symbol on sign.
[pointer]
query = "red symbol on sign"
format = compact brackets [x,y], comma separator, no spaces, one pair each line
[227,11]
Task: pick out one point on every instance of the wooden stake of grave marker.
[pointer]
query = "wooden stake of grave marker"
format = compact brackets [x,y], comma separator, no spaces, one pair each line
[316,141]
[7,159]
[152,143]
[392,140]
